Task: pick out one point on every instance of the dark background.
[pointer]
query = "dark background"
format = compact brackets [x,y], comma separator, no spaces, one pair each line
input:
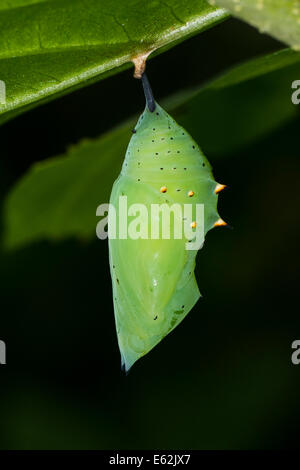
[224,378]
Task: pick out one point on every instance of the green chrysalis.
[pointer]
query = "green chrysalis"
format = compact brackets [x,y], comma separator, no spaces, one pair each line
[154,285]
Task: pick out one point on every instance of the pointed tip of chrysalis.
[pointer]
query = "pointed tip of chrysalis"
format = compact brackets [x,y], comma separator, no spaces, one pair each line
[125,367]
[220,187]
[125,371]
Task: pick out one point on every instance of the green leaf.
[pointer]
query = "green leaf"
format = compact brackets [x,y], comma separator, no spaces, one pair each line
[58,198]
[51,47]
[280,18]
[242,105]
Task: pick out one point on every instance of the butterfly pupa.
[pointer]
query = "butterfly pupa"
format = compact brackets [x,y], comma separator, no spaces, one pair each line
[154,285]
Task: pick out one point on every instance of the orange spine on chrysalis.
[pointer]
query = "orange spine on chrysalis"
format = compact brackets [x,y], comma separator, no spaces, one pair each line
[219,188]
[220,223]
